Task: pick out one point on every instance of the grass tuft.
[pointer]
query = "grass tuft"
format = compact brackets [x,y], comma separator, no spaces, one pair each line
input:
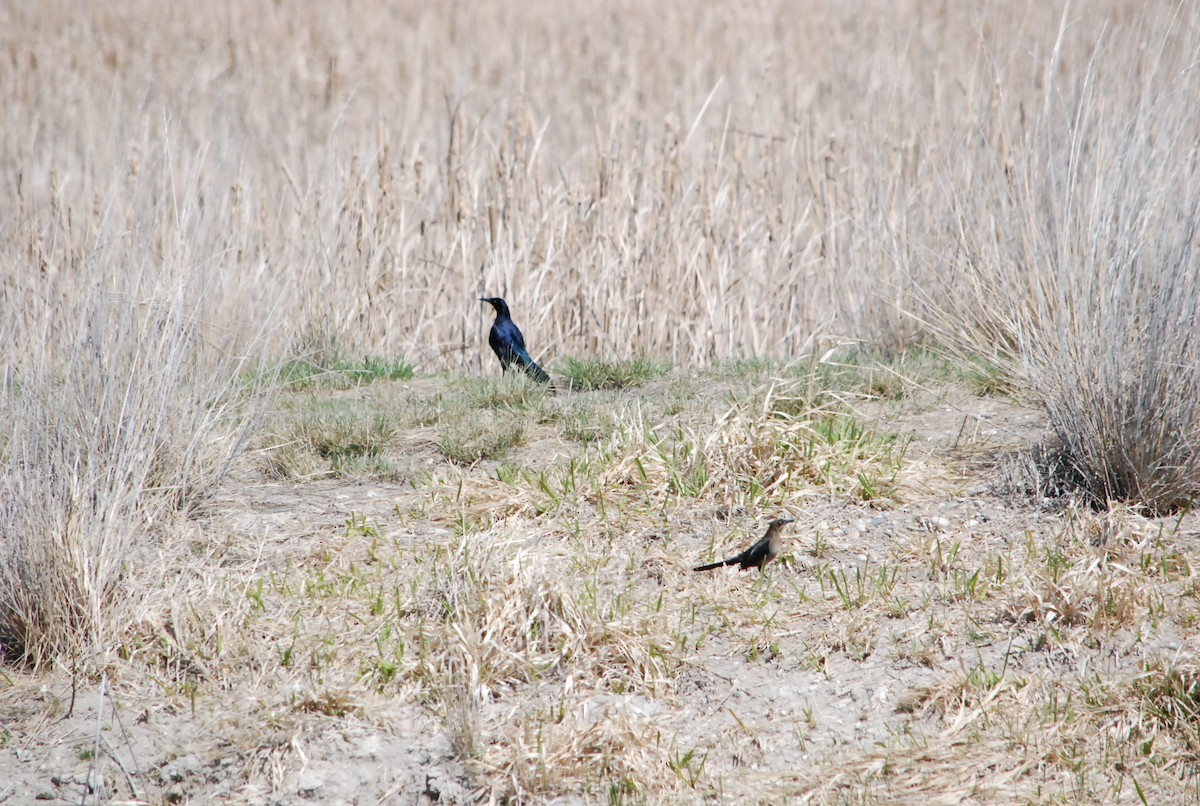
[108,440]
[342,373]
[598,374]
[466,443]
[344,437]
[1079,269]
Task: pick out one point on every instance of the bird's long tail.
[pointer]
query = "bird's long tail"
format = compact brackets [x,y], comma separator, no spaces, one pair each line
[718,564]
[530,366]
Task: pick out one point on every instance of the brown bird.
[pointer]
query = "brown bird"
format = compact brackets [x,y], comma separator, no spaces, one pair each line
[760,553]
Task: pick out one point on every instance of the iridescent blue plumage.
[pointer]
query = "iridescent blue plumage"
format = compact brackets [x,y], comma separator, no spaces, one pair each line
[508,343]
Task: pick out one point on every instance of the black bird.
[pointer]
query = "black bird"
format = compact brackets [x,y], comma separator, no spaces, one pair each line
[508,343]
[760,553]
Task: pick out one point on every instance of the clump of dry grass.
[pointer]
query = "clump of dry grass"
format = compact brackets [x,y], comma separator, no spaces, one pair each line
[108,437]
[1167,708]
[1081,267]
[123,406]
[601,751]
[509,618]
[1093,581]
[758,453]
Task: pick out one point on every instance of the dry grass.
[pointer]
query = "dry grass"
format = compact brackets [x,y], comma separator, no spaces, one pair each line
[542,608]
[738,192]
[724,197]
[109,437]
[549,618]
[1076,259]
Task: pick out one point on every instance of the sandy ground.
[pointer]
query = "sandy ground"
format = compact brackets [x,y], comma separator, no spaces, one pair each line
[820,698]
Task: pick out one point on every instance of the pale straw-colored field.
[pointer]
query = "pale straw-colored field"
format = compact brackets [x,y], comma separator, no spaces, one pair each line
[788,235]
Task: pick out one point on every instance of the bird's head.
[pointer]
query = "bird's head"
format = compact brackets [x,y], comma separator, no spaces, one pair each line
[496,302]
[780,522]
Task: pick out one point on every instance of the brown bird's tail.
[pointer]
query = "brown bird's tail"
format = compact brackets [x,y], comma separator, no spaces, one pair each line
[718,564]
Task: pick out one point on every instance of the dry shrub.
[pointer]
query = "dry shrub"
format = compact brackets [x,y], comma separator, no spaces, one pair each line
[131,418]
[1078,265]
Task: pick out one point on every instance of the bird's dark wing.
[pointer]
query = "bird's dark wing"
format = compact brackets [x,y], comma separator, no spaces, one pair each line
[754,557]
[518,338]
[511,351]
[757,555]
[509,345]
[510,334]
[499,347]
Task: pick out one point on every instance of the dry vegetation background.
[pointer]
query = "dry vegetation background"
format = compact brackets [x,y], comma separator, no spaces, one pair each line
[193,195]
